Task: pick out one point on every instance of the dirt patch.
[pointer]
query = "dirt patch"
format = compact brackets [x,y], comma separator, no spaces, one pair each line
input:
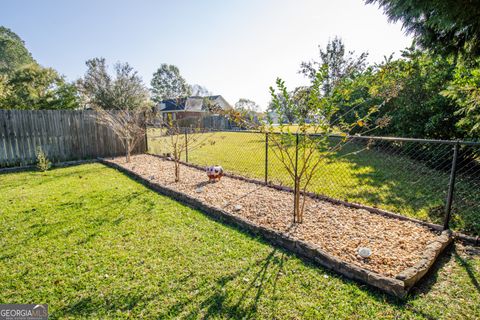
[338,230]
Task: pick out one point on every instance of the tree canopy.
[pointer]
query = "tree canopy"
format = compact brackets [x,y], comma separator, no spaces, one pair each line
[337,64]
[199,91]
[124,91]
[244,104]
[24,84]
[34,87]
[167,83]
[446,26]
[13,53]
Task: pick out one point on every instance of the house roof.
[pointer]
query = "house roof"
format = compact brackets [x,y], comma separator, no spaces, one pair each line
[192,104]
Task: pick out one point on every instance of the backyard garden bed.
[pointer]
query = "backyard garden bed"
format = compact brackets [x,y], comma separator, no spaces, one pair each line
[331,234]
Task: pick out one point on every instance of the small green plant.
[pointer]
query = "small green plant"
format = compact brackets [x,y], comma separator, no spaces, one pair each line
[43,164]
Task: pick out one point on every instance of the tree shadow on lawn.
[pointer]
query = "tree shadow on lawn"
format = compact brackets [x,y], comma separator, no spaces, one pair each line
[411,195]
[214,300]
[395,183]
[468,269]
[89,306]
[271,266]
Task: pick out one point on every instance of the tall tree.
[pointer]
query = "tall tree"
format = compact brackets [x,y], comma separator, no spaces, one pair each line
[338,62]
[246,105]
[447,26]
[124,91]
[13,53]
[34,87]
[199,91]
[122,102]
[284,111]
[167,83]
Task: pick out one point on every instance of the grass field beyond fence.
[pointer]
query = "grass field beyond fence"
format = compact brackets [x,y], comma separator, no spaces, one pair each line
[386,180]
[94,244]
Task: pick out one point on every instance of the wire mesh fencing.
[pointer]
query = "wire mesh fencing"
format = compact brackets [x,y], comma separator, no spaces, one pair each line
[423,179]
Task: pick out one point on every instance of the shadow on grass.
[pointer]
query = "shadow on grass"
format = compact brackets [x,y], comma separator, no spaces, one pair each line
[403,185]
[214,300]
[468,269]
[211,302]
[217,299]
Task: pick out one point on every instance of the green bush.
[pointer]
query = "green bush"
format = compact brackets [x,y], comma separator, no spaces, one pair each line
[43,164]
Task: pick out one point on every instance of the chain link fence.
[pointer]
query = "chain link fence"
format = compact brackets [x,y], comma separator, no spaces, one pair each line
[423,179]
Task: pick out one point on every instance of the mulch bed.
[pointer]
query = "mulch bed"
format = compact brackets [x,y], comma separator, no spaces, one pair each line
[338,230]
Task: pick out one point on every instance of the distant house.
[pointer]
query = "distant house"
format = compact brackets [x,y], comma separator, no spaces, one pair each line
[190,107]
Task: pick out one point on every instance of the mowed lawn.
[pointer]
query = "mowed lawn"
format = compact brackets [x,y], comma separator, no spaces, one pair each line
[388,181]
[92,243]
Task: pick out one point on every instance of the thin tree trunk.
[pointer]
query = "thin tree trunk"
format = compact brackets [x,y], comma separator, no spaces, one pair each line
[177,171]
[297,212]
[127,149]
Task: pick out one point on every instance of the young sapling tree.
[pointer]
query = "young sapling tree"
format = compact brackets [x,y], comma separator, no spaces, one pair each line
[179,139]
[302,141]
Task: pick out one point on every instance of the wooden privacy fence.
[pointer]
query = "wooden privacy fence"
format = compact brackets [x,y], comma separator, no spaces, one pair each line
[63,135]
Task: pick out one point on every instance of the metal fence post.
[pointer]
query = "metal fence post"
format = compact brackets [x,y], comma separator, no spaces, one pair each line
[266,158]
[295,204]
[451,187]
[186,145]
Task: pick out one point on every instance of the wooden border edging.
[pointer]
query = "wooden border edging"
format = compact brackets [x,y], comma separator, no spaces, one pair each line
[398,286]
[436,227]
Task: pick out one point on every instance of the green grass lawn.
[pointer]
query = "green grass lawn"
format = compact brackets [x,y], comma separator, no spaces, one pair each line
[92,243]
[392,182]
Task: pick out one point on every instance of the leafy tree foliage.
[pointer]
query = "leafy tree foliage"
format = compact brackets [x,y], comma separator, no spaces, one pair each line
[167,83]
[407,94]
[199,91]
[125,91]
[121,102]
[465,91]
[34,87]
[446,26]
[246,105]
[280,107]
[24,84]
[419,110]
[4,89]
[13,53]
[337,63]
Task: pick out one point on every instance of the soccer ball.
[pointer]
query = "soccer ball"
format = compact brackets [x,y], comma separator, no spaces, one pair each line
[214,173]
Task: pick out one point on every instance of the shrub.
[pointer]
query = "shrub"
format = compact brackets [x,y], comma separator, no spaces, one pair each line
[43,164]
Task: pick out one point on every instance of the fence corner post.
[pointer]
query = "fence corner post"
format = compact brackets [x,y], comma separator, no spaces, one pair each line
[451,187]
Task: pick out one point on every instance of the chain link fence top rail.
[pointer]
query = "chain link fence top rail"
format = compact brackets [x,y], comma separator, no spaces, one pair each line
[406,176]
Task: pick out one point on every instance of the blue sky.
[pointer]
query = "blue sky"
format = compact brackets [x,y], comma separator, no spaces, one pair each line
[235,48]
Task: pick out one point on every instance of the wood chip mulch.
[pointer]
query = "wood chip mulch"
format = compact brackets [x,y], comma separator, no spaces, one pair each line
[338,230]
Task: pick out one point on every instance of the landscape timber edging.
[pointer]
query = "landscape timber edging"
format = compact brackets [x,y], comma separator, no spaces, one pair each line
[398,287]
[456,235]
[413,274]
